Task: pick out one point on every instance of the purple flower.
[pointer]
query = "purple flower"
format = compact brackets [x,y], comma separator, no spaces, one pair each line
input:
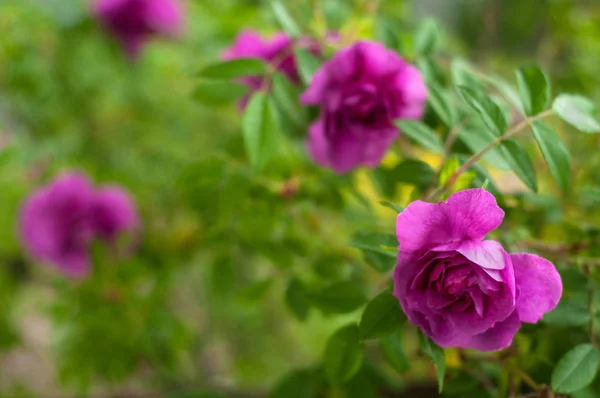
[361,91]
[277,51]
[60,221]
[461,290]
[133,22]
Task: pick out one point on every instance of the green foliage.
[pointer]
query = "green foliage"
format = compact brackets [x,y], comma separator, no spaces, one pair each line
[231,69]
[577,111]
[343,355]
[576,369]
[260,130]
[437,356]
[534,90]
[422,134]
[382,316]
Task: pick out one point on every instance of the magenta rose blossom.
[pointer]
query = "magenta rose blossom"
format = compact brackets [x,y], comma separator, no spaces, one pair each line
[60,221]
[277,51]
[361,91]
[461,290]
[134,22]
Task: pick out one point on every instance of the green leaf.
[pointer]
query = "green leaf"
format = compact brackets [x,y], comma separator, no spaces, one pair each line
[577,111]
[576,369]
[568,313]
[394,352]
[396,208]
[343,355]
[478,138]
[414,172]
[505,89]
[284,19]
[217,93]
[555,154]
[464,75]
[297,384]
[297,299]
[519,161]
[534,89]
[227,70]
[382,316]
[259,125]
[448,169]
[488,110]
[428,37]
[338,297]
[386,33]
[381,243]
[440,102]
[422,134]
[286,96]
[307,63]
[256,291]
[438,357]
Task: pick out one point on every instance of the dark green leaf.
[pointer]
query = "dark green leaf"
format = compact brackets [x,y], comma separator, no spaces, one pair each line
[576,369]
[308,64]
[382,316]
[414,172]
[372,241]
[343,355]
[441,103]
[217,93]
[338,298]
[259,125]
[577,111]
[396,208]
[296,384]
[438,357]
[394,352]
[222,276]
[297,299]
[422,134]
[381,263]
[428,37]
[488,110]
[555,154]
[568,313]
[284,19]
[534,89]
[227,70]
[519,161]
[255,291]
[286,96]
[386,33]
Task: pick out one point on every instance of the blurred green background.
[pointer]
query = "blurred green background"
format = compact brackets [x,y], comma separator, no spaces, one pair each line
[200,308]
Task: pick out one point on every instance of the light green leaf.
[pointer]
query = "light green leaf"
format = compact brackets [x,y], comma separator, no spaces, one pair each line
[307,63]
[218,93]
[428,37]
[386,33]
[297,299]
[448,169]
[343,355]
[338,297]
[381,243]
[260,130]
[422,134]
[534,89]
[576,369]
[577,111]
[519,161]
[438,357]
[556,155]
[284,19]
[227,70]
[286,96]
[440,101]
[394,352]
[396,208]
[382,316]
[505,89]
[464,75]
[478,138]
[488,110]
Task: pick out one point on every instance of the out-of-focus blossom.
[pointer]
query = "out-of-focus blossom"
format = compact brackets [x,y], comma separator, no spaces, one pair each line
[134,22]
[60,221]
[461,290]
[361,91]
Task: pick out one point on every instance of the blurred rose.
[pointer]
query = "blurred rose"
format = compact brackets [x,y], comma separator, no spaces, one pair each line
[361,91]
[60,221]
[134,22]
[461,290]
[277,51]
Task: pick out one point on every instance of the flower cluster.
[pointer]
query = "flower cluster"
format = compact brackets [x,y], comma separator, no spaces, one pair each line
[60,221]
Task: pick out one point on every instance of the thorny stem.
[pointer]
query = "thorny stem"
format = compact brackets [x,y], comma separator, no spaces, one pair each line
[475,158]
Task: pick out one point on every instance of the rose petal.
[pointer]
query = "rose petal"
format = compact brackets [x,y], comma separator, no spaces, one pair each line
[540,286]
[113,211]
[496,338]
[468,215]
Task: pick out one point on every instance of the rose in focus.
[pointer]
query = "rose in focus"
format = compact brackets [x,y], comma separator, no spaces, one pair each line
[360,92]
[461,290]
[134,22]
[60,221]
